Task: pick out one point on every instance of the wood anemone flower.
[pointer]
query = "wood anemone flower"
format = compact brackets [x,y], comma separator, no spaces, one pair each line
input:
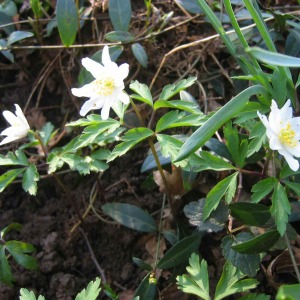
[107,88]
[283,132]
[19,126]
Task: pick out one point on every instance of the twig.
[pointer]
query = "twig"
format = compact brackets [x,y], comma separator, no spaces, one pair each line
[287,241]
[94,259]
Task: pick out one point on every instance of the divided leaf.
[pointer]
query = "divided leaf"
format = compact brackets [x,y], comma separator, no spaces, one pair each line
[91,292]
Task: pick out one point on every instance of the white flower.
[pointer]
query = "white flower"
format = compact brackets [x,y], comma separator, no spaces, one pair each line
[107,88]
[19,125]
[283,132]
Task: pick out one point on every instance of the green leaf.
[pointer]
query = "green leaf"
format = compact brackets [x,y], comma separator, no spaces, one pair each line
[120,14]
[255,297]
[8,29]
[17,36]
[130,138]
[130,216]
[293,186]
[209,161]
[140,54]
[190,5]
[19,158]
[143,92]
[168,119]
[197,282]
[263,188]
[11,226]
[231,282]
[288,292]
[180,251]
[46,133]
[30,177]
[26,295]
[91,292]
[119,36]
[146,290]
[173,89]
[18,251]
[216,222]
[247,263]
[5,270]
[250,214]
[67,21]
[8,7]
[8,177]
[258,137]
[258,244]
[179,104]
[36,8]
[227,112]
[141,264]
[273,58]
[227,185]
[280,208]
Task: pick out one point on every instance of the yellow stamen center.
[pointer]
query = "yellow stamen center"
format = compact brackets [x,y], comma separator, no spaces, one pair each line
[287,136]
[104,86]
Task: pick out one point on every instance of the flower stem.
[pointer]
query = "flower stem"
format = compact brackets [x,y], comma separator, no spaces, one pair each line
[292,256]
[37,136]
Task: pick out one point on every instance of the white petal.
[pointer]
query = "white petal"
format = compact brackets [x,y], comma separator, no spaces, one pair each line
[294,150]
[275,143]
[123,71]
[292,162]
[10,117]
[124,97]
[286,111]
[263,119]
[92,66]
[105,110]
[84,91]
[10,131]
[20,115]
[105,57]
[94,103]
[8,140]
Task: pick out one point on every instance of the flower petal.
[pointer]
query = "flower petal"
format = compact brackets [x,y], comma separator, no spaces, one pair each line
[106,57]
[275,143]
[124,97]
[21,117]
[84,91]
[292,162]
[10,117]
[105,110]
[10,131]
[294,150]
[93,103]
[92,66]
[123,71]
[8,139]
[286,111]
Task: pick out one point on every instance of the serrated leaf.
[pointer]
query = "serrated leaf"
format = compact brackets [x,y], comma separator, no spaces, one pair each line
[130,138]
[258,244]
[143,92]
[67,21]
[18,251]
[168,119]
[130,216]
[5,270]
[140,54]
[8,177]
[11,159]
[91,292]
[172,89]
[209,161]
[295,186]
[178,104]
[216,222]
[120,14]
[17,36]
[227,112]
[197,282]
[231,282]
[281,208]
[250,214]
[180,251]
[263,188]
[119,36]
[46,133]
[247,263]
[215,195]
[30,178]
[26,295]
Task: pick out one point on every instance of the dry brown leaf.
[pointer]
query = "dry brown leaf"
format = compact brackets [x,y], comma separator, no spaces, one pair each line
[173,293]
[126,295]
[174,181]
[105,5]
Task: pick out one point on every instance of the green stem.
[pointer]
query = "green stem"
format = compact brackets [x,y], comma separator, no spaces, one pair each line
[37,136]
[292,256]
